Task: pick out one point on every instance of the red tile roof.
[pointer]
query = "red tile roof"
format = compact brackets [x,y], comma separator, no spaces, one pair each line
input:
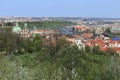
[78,27]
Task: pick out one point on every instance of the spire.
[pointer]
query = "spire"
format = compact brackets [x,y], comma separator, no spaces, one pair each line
[34,28]
[17,24]
[25,25]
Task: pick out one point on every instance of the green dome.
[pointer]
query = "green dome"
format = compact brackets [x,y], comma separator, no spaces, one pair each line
[16,29]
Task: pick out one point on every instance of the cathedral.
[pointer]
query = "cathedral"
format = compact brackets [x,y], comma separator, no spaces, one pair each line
[25,33]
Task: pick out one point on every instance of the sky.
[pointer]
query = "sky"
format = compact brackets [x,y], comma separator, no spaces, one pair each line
[61,8]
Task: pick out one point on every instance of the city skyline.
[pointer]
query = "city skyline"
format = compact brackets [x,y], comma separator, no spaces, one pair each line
[63,8]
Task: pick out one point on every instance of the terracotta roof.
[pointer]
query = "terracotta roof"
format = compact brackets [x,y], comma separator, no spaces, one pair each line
[118,41]
[103,49]
[71,40]
[116,48]
[78,27]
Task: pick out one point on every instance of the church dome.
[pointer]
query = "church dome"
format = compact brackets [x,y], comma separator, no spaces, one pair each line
[16,29]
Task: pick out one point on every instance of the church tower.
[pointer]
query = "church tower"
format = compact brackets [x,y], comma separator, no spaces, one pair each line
[25,26]
[25,32]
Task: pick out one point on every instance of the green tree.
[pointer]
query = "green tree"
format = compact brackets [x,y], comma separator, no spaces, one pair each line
[110,51]
[96,50]
[88,49]
[37,42]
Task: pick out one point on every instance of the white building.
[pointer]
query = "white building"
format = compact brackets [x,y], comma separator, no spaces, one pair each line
[79,43]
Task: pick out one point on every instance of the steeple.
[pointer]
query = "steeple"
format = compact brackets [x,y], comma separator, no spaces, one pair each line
[34,28]
[17,25]
[25,25]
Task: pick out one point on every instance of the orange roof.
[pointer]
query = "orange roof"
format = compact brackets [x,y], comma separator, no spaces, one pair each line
[118,41]
[103,49]
[111,41]
[116,48]
[78,27]
[71,40]
[40,30]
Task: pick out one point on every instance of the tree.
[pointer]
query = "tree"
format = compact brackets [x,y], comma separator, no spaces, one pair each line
[37,42]
[110,51]
[88,49]
[96,50]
